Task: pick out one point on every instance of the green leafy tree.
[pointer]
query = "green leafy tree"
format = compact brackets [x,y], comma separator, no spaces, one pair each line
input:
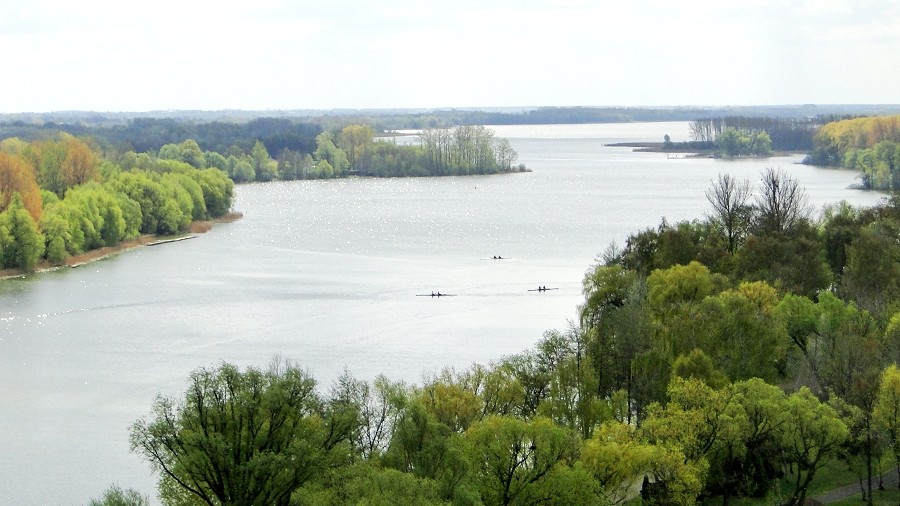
[356,140]
[672,479]
[367,484]
[750,464]
[450,403]
[513,457]
[872,273]
[326,151]
[730,142]
[217,191]
[56,234]
[812,433]
[699,365]
[616,458]
[423,446]
[215,160]
[571,399]
[265,168]
[21,243]
[887,410]
[680,284]
[116,496]
[239,438]
[743,335]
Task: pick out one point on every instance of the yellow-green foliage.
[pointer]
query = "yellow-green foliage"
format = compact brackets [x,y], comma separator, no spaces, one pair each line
[859,132]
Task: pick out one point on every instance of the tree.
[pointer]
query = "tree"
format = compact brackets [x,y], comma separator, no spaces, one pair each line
[697,419]
[115,496]
[730,142]
[80,164]
[871,276]
[751,467]
[17,176]
[742,334]
[238,438]
[728,198]
[326,151]
[781,204]
[56,234]
[512,457]
[423,446]
[812,433]
[355,140]
[680,284]
[615,457]
[150,195]
[506,155]
[887,409]
[367,484]
[760,143]
[379,408]
[265,168]
[217,191]
[21,243]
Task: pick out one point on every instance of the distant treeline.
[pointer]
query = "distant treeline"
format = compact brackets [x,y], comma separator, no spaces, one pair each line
[82,123]
[150,134]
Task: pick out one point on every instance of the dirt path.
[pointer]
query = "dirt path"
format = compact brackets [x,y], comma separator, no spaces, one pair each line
[889,479]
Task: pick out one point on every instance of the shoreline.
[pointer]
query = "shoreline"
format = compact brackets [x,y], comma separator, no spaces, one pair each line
[95,255]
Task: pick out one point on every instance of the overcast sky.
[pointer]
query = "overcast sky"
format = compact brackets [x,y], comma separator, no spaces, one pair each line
[115,55]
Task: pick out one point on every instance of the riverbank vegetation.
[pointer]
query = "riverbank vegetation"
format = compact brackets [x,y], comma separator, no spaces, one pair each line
[62,196]
[870,145]
[59,198]
[741,355]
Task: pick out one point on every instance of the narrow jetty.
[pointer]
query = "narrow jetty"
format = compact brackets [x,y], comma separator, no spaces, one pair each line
[174,239]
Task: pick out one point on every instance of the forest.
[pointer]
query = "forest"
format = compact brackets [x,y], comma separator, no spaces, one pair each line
[739,357]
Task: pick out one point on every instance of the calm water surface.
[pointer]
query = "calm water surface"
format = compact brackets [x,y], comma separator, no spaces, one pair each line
[326,273]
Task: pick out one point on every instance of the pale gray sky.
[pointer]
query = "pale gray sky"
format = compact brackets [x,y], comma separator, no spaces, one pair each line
[114,55]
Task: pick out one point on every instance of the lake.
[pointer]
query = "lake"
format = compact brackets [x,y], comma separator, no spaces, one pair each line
[327,273]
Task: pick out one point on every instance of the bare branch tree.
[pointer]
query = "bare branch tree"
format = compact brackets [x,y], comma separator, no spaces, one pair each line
[728,198]
[782,202]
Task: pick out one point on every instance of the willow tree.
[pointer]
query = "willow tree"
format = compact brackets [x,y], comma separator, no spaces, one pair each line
[21,243]
[239,438]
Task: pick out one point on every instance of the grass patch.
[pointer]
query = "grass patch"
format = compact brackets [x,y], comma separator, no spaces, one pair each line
[834,474]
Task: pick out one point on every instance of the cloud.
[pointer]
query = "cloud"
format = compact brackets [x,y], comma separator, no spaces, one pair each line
[104,54]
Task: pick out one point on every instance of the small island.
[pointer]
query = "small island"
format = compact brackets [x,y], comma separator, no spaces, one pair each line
[740,137]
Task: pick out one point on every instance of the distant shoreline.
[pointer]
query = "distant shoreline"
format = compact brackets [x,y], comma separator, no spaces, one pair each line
[94,255]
